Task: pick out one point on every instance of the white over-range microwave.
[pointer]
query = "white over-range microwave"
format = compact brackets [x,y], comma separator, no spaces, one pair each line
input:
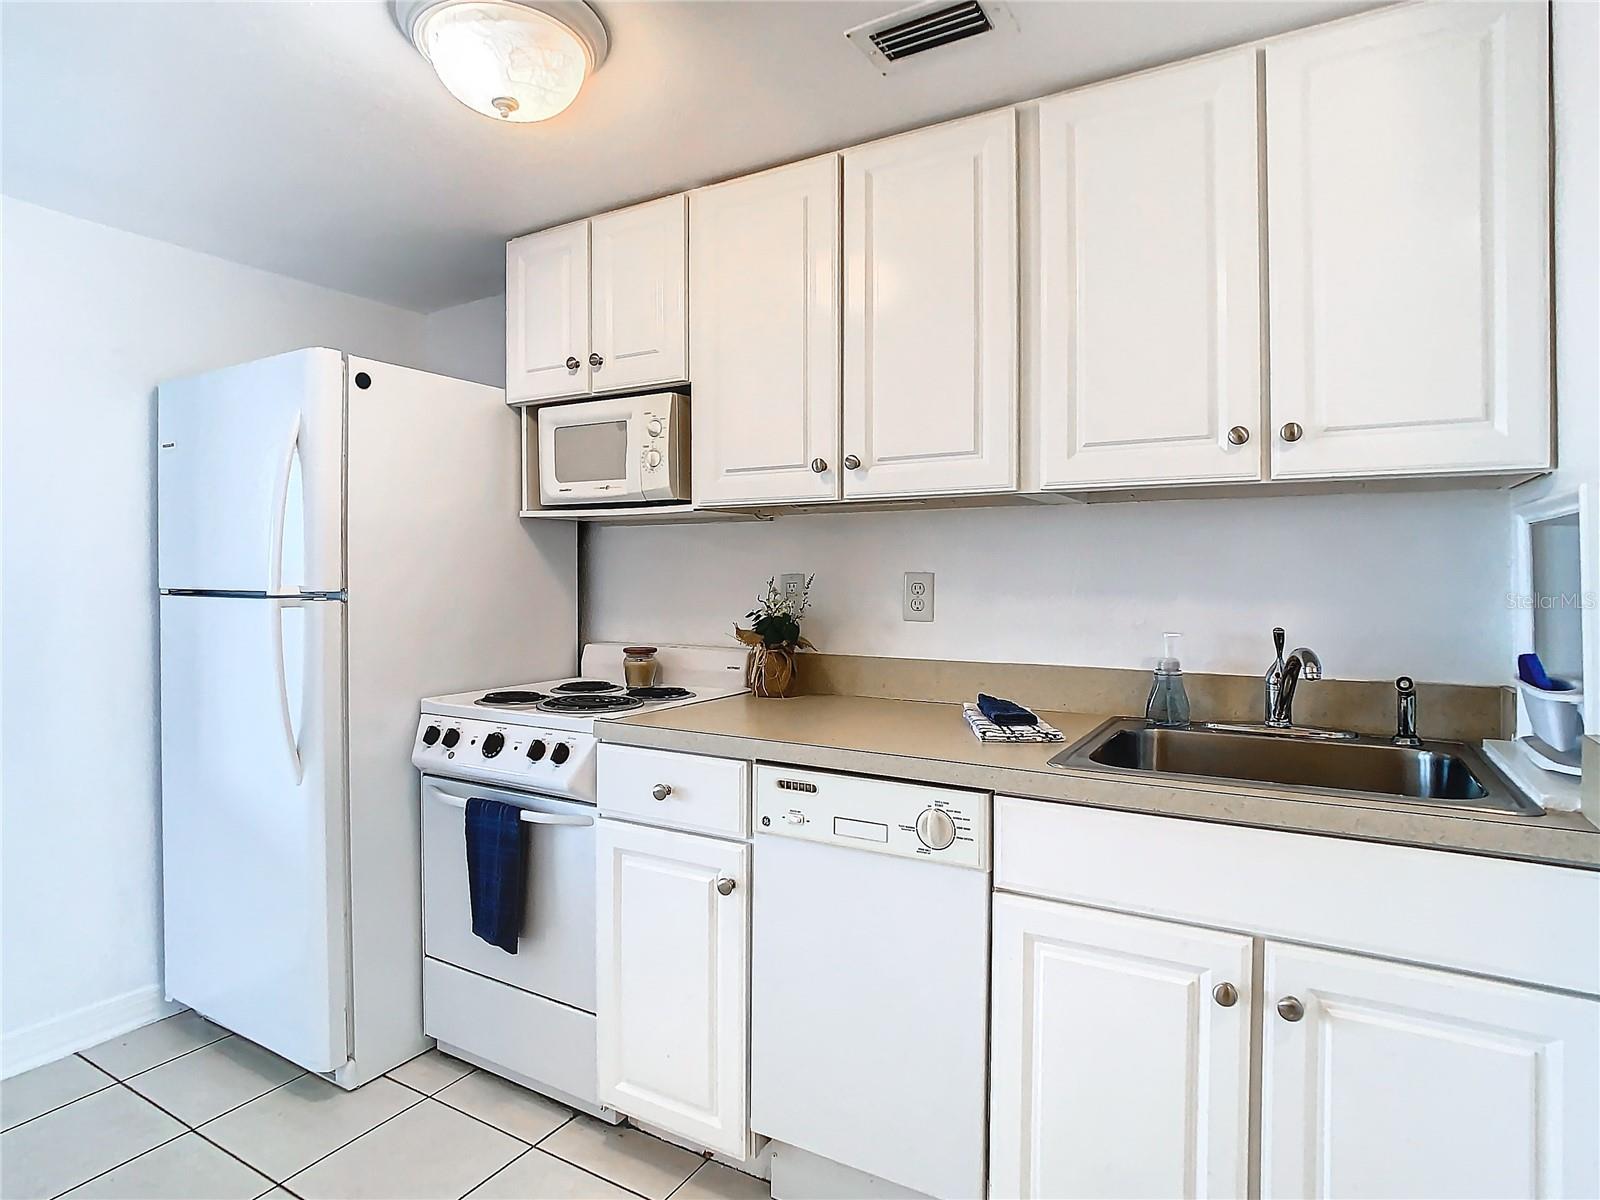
[626,450]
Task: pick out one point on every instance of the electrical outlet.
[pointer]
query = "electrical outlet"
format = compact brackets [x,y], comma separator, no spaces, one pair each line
[918,605]
[792,586]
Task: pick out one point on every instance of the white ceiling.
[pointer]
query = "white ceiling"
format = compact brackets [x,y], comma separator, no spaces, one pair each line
[309,139]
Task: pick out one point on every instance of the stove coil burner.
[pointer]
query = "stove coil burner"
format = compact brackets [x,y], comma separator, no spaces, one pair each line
[511,697]
[660,693]
[587,685]
[590,703]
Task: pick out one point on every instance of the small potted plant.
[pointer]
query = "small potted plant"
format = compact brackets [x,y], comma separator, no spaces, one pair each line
[774,639]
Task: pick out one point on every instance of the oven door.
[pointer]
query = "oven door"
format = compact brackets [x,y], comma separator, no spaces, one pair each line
[555,954]
[589,453]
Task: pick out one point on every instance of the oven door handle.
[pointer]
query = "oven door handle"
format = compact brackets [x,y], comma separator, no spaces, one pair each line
[459,800]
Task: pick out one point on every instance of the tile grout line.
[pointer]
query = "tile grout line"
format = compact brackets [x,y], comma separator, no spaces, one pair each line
[164,1141]
[65,1103]
[157,1066]
[465,1195]
[606,1178]
[302,1170]
[685,1183]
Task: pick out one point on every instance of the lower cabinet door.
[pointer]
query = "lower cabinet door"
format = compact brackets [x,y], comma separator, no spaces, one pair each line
[1120,1055]
[1387,1080]
[673,916]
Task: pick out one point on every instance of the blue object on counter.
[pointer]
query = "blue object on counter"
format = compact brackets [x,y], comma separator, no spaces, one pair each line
[496,871]
[1005,712]
[1531,671]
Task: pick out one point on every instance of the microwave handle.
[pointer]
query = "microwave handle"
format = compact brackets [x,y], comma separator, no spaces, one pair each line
[459,800]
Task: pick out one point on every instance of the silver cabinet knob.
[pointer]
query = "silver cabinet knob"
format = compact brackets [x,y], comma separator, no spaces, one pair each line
[1238,435]
[1290,1008]
[725,885]
[1291,432]
[572,363]
[819,465]
[1225,994]
[596,361]
[661,791]
[852,463]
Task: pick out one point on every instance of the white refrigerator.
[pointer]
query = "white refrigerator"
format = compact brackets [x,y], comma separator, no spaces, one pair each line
[337,538]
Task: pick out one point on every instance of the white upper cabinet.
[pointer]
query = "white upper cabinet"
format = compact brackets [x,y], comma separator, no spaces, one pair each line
[1408,212]
[1149,326]
[599,305]
[1389,1080]
[639,303]
[930,323]
[765,274]
[547,314]
[1105,1023]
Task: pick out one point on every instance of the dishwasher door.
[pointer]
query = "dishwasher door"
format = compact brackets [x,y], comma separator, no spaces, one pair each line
[869,990]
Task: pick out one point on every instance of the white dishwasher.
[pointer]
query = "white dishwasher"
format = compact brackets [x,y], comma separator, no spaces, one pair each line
[870,983]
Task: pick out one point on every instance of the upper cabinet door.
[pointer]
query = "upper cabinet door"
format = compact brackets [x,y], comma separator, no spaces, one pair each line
[1149,288]
[1103,1023]
[764,267]
[640,302]
[1408,209]
[1398,1081]
[547,314]
[930,327]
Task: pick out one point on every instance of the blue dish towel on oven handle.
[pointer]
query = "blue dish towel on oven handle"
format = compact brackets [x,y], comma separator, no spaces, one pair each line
[496,871]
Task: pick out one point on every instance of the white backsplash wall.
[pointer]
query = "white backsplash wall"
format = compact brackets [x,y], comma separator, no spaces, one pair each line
[1378,585]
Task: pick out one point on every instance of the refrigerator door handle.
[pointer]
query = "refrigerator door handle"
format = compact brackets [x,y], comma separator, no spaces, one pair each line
[459,800]
[290,737]
[280,509]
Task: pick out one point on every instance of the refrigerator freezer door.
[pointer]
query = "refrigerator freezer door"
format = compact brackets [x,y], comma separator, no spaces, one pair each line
[253,819]
[250,466]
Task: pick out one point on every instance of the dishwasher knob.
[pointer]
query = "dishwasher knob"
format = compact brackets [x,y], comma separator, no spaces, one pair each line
[935,829]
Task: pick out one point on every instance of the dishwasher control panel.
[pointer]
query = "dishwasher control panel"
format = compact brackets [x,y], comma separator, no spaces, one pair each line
[911,820]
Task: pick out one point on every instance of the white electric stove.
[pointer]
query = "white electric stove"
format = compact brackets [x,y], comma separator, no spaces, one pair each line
[540,736]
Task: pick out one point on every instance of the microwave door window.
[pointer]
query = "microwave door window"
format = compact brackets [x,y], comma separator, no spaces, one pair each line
[591,453]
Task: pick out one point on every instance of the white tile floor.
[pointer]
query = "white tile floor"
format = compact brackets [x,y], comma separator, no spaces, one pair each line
[182,1110]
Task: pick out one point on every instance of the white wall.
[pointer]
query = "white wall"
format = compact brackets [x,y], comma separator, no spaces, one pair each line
[1378,585]
[93,319]
[468,341]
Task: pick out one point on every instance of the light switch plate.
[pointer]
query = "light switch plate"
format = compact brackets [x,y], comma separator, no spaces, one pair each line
[918,601]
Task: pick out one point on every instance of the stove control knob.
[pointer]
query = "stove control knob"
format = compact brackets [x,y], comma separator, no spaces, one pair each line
[430,735]
[561,753]
[451,737]
[493,744]
[935,829]
[536,749]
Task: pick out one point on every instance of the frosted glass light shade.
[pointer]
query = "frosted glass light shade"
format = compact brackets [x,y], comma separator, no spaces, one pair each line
[504,59]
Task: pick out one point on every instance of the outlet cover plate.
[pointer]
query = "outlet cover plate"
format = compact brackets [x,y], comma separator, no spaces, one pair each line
[918,599]
[792,584]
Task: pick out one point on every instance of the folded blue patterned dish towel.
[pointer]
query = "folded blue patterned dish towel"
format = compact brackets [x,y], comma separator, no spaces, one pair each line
[986,730]
[1005,712]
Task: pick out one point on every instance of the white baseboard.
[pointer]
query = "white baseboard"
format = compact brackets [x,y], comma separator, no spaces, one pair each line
[45,1041]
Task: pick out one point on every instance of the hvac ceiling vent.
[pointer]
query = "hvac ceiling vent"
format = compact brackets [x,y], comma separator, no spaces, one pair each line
[890,41]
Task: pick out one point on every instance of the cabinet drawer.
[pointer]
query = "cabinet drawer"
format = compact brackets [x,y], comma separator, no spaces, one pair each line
[681,791]
[1487,916]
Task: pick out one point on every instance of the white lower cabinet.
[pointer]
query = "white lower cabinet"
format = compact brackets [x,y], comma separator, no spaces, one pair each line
[1381,1079]
[1110,1029]
[673,914]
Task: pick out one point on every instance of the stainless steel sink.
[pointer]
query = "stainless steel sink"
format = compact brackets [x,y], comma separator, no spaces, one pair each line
[1449,774]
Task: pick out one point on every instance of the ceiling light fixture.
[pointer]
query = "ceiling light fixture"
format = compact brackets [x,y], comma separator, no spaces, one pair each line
[514,60]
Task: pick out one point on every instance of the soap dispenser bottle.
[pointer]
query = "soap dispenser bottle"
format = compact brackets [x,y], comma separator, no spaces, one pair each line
[1168,705]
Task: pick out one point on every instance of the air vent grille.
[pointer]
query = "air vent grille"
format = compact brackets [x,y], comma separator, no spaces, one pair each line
[952,23]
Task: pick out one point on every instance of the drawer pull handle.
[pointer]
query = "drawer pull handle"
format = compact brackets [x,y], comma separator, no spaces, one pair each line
[661,791]
[1290,1008]
[1225,994]
[725,885]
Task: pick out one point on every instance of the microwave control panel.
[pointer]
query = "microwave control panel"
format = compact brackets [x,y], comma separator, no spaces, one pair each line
[664,446]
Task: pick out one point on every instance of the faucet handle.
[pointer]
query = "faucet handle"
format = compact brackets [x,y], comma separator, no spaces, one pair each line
[1277,641]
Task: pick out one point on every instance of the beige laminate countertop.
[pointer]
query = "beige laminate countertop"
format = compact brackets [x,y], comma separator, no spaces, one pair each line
[930,742]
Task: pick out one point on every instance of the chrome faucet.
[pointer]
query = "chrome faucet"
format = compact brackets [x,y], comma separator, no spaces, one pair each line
[1281,679]
[1405,713]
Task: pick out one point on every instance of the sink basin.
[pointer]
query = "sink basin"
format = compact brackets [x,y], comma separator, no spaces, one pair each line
[1451,774]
